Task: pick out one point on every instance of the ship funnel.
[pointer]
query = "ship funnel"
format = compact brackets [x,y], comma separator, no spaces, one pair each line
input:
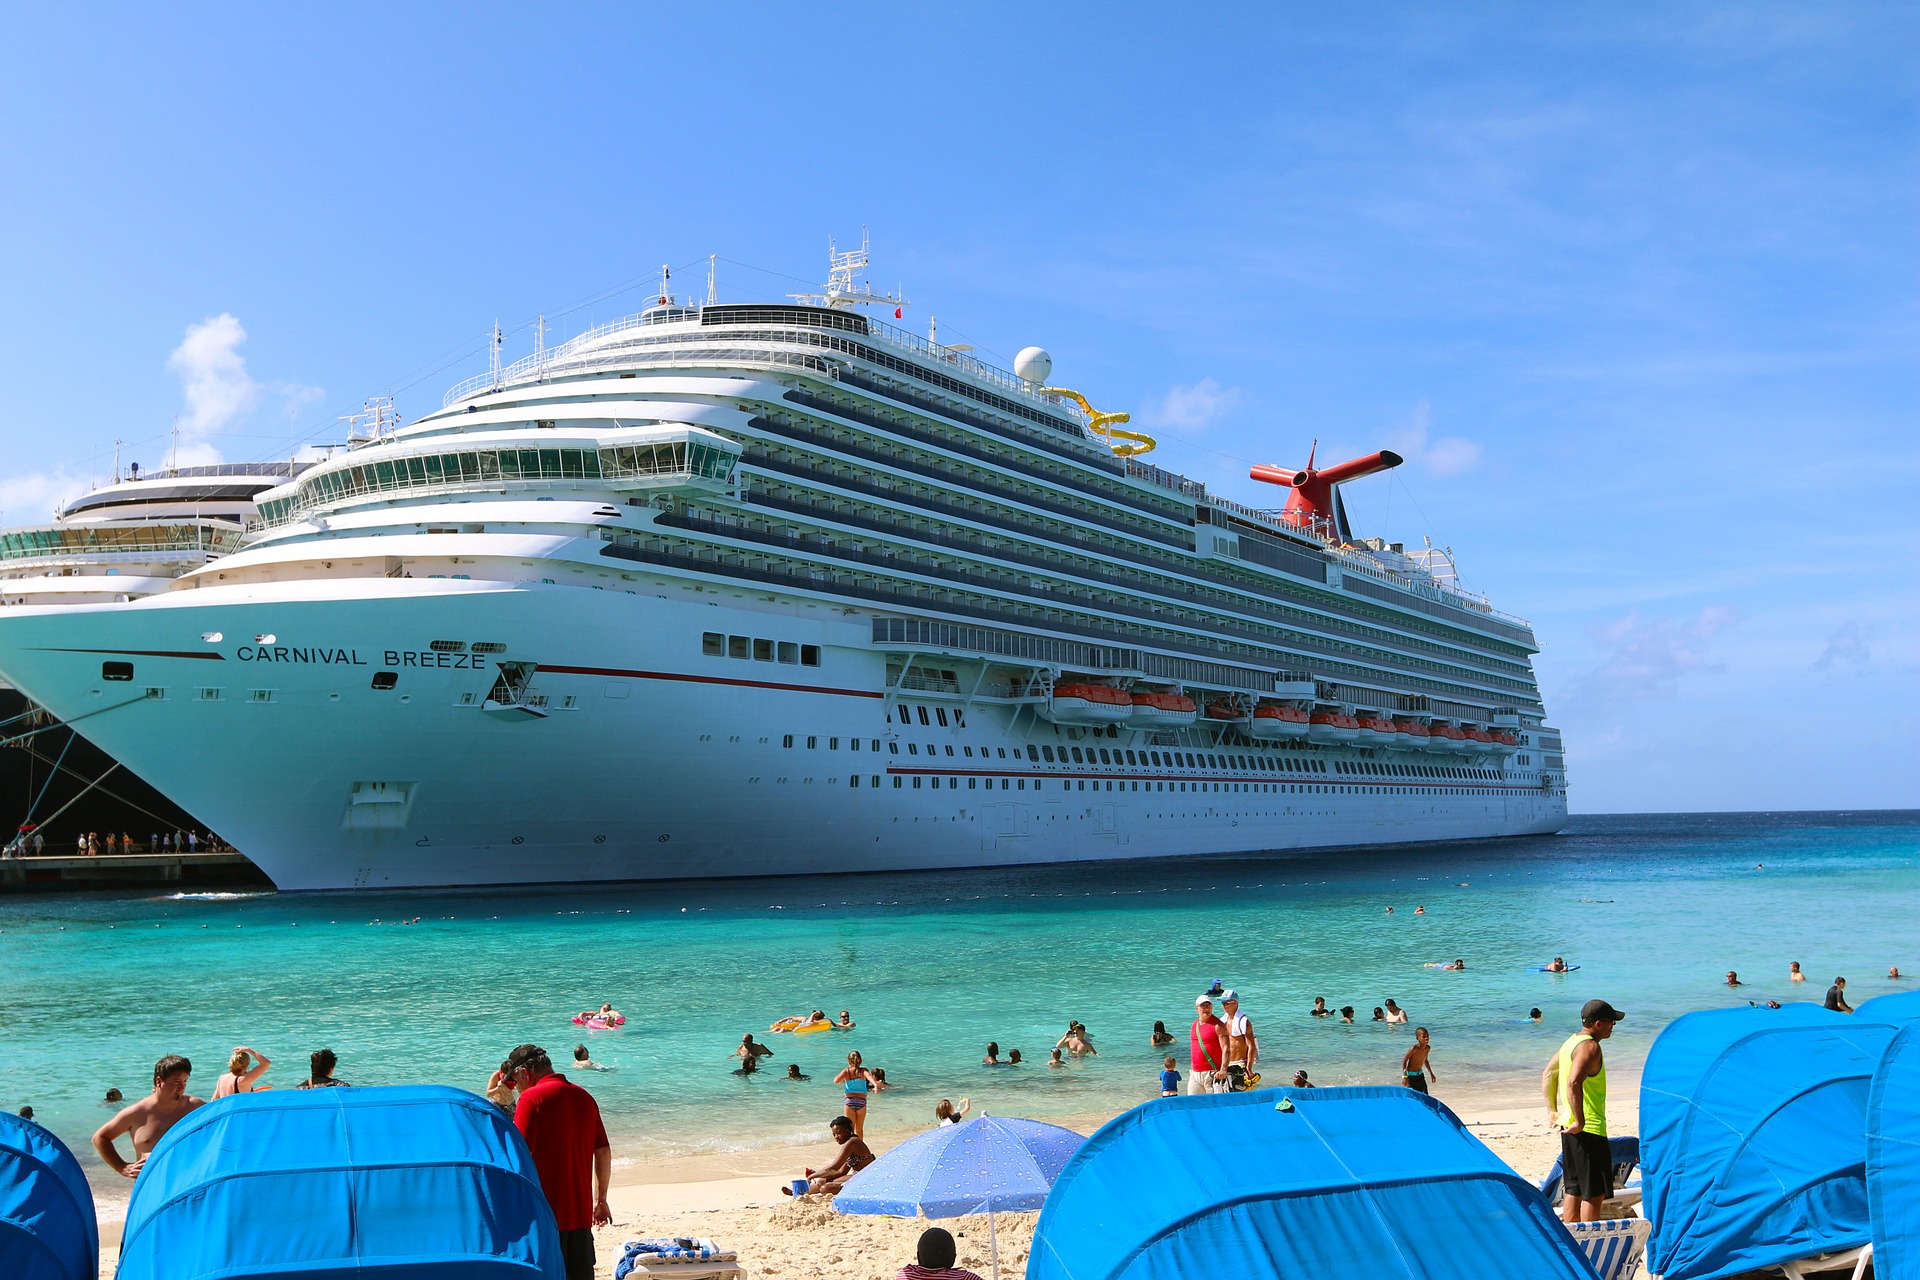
[1313,505]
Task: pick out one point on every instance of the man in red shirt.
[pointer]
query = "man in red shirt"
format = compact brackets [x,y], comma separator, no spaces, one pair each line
[561,1123]
[1208,1040]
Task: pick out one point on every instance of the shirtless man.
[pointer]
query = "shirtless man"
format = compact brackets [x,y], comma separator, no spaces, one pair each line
[149,1119]
[1417,1066]
[1243,1047]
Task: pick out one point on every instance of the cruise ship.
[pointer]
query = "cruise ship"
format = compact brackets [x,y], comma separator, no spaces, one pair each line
[123,540]
[769,589]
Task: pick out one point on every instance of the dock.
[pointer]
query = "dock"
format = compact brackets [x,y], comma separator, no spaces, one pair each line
[127,871]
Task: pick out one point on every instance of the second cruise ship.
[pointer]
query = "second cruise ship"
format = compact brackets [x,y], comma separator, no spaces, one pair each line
[767,589]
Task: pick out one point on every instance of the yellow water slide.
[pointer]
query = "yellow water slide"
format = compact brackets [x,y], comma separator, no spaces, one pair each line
[1127,444]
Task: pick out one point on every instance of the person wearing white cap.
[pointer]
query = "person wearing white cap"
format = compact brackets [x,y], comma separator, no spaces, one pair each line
[1208,1042]
[1243,1047]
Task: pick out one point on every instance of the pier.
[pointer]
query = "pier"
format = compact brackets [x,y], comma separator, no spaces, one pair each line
[127,870]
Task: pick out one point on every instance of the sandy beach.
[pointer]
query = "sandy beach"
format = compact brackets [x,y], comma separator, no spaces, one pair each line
[735,1200]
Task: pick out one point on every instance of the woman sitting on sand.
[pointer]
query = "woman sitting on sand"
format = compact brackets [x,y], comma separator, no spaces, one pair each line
[1161,1036]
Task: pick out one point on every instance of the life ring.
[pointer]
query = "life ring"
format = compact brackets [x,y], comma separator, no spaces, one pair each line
[600,1024]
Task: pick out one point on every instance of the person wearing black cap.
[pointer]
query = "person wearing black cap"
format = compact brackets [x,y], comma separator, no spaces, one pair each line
[561,1123]
[1576,1081]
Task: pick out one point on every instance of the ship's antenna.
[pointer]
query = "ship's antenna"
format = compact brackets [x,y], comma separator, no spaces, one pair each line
[842,291]
[713,278]
[666,278]
[493,356]
[933,330]
[173,455]
[116,460]
[540,344]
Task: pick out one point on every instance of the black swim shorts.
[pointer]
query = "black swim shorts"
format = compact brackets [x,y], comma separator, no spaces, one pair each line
[1586,1166]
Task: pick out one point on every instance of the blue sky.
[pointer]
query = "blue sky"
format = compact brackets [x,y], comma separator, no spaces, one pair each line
[1632,287]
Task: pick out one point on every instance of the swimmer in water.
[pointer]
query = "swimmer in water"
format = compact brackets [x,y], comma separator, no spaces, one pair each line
[1013,1057]
[1055,1062]
[1794,974]
[1452,964]
[993,1055]
[1379,1014]
[1396,1016]
[1419,911]
[1893,972]
[1346,1014]
[1559,965]
[845,1023]
[1320,1009]
[793,1072]
[747,1067]
[1161,1036]
[1733,979]
[1389,912]
[1533,1015]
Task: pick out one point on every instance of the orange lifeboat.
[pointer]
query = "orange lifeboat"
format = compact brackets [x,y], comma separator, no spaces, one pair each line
[1410,735]
[1332,726]
[1479,740]
[1223,711]
[1095,704]
[1273,722]
[1376,731]
[1447,737]
[1505,743]
[1162,710]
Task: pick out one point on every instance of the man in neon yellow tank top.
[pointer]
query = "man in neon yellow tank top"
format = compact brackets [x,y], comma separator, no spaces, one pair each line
[1578,1080]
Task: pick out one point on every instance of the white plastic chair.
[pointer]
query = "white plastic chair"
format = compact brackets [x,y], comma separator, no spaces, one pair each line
[1613,1245]
[1856,1259]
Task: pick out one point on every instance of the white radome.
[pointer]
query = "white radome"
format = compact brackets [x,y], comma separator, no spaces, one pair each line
[1034,365]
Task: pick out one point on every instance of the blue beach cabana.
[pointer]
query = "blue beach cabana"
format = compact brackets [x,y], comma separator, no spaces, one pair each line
[1369,1183]
[1753,1127]
[47,1225]
[1893,1157]
[414,1181]
[1898,1008]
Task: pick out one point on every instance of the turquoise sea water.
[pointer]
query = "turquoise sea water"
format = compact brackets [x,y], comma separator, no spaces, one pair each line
[1654,909]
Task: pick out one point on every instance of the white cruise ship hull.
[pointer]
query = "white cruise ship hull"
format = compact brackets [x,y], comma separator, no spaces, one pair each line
[636,756]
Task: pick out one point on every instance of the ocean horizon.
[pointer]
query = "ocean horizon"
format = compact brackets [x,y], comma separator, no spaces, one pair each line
[1653,908]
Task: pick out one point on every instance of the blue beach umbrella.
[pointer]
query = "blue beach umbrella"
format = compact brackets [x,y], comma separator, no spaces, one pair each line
[985,1165]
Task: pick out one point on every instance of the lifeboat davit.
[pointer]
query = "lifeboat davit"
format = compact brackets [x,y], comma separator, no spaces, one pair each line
[1223,712]
[1162,710]
[1088,704]
[1447,737]
[1333,726]
[1276,723]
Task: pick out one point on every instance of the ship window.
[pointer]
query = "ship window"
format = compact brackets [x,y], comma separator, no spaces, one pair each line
[923,715]
[813,743]
[488,646]
[960,717]
[809,655]
[853,780]
[1033,752]
[853,744]
[893,748]
[787,741]
[949,749]
[385,679]
[896,780]
[833,744]
[116,671]
[789,652]
[942,713]
[875,780]
[447,646]
[713,645]
[913,748]
[737,646]
[763,651]
[916,784]
[874,747]
[1047,752]
[1076,756]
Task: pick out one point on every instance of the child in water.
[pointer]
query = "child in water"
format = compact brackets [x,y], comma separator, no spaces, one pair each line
[1169,1078]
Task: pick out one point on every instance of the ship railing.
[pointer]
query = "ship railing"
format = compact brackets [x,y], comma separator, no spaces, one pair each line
[1168,480]
[1352,561]
[568,353]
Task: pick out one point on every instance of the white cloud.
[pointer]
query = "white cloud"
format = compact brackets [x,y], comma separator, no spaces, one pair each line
[1443,455]
[1650,656]
[32,498]
[1190,408]
[213,375]
[1846,650]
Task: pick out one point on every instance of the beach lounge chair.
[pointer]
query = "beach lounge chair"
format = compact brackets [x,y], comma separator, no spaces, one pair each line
[1853,1261]
[1625,1151]
[1614,1246]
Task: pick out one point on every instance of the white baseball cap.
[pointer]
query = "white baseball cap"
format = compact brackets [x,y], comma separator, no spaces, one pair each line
[1200,1000]
[1229,996]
